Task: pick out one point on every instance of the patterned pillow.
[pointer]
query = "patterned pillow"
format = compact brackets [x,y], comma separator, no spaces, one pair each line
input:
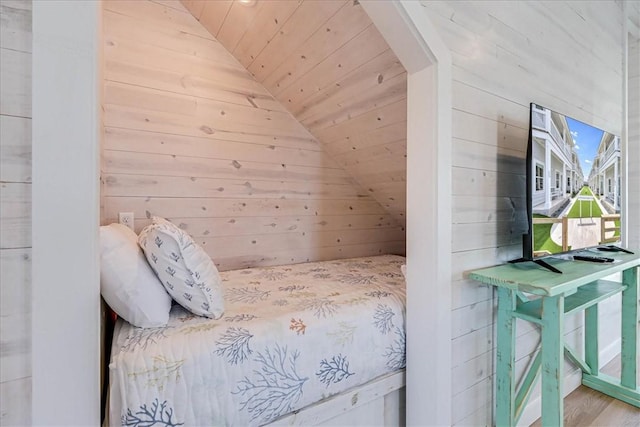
[183,267]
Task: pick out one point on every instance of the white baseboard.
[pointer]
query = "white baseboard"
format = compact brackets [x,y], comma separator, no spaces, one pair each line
[572,381]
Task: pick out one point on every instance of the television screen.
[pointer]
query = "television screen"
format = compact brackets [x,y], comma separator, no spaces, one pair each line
[573,180]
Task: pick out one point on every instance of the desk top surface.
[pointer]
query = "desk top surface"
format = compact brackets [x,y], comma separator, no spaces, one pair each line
[532,278]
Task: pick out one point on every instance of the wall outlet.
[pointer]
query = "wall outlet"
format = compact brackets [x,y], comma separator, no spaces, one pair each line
[126,218]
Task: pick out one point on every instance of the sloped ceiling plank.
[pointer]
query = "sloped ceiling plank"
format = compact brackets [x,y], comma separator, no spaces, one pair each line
[165,17]
[381,136]
[330,67]
[306,20]
[372,153]
[376,94]
[372,119]
[347,23]
[144,34]
[213,15]
[264,27]
[195,7]
[190,135]
[235,24]
[362,57]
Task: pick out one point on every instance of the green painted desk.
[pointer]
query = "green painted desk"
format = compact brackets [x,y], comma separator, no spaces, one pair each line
[580,287]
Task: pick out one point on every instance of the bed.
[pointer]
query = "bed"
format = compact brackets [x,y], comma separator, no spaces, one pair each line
[297,344]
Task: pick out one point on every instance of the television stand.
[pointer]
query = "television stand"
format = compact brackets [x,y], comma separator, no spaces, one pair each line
[614,248]
[537,261]
[580,288]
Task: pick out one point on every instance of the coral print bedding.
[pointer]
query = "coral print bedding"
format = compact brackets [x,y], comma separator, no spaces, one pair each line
[290,336]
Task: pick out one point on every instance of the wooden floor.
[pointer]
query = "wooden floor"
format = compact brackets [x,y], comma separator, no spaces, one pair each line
[585,407]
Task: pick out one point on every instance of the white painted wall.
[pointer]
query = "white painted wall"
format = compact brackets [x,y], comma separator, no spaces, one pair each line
[566,56]
[428,63]
[65,216]
[633,126]
[15,212]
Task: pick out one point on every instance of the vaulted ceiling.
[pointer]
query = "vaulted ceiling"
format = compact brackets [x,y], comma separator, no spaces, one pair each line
[331,69]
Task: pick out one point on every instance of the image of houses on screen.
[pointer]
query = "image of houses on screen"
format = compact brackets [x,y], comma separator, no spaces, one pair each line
[575,184]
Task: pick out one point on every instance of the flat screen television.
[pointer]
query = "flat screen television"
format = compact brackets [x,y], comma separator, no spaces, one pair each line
[573,186]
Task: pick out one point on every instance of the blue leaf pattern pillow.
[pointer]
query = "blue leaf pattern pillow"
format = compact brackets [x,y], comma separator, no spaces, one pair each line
[183,267]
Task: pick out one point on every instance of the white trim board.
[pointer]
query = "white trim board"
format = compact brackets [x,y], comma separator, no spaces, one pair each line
[406,28]
[630,143]
[65,213]
[342,403]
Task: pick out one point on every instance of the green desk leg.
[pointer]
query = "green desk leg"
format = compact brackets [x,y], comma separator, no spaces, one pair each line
[505,359]
[591,339]
[629,329]
[552,360]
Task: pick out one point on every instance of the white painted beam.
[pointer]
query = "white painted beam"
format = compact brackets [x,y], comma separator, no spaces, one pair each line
[65,267]
[406,28]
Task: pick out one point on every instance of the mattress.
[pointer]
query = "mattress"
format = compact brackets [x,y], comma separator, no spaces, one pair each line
[290,336]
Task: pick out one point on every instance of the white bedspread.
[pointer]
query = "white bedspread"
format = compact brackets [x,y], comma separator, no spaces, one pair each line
[290,336]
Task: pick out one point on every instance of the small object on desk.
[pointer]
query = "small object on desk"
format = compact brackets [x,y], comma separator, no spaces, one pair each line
[592,258]
[613,248]
[607,249]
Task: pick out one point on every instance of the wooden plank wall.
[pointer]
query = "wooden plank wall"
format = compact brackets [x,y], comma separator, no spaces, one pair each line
[563,55]
[192,136]
[329,66]
[15,212]
[634,129]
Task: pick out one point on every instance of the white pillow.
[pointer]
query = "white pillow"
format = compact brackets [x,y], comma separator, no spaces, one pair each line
[183,267]
[127,283]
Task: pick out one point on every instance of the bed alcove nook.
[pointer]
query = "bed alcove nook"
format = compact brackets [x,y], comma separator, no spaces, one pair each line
[405,27]
[427,60]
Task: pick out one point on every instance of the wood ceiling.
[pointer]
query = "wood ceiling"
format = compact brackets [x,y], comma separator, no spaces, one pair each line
[329,66]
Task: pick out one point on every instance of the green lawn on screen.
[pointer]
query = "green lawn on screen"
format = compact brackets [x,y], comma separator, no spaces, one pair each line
[585,191]
[590,209]
[542,237]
